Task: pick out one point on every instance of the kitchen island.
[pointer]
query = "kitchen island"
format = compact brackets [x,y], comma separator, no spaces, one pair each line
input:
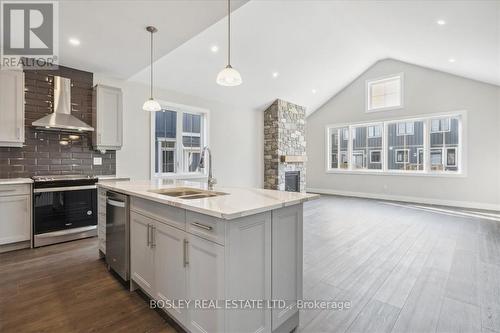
[227,260]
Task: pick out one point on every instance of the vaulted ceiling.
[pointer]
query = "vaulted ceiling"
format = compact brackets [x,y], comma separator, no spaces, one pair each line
[112,35]
[315,47]
[318,47]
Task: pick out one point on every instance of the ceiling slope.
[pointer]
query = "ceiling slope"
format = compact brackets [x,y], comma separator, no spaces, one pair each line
[112,32]
[318,47]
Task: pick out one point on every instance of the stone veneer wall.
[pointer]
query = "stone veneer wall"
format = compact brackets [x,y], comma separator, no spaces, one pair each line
[284,134]
[42,154]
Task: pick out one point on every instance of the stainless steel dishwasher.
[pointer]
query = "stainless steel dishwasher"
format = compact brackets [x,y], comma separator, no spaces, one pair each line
[118,234]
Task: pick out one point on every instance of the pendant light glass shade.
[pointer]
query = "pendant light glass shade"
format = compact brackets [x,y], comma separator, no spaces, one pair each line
[151,105]
[229,77]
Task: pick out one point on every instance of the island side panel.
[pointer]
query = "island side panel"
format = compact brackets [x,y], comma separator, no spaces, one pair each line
[286,265]
[248,271]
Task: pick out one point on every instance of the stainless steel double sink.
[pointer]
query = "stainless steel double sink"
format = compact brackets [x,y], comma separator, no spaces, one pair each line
[187,193]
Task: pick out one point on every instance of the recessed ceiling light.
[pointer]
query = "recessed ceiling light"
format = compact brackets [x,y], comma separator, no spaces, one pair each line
[313,91]
[276,74]
[214,48]
[441,22]
[452,60]
[74,41]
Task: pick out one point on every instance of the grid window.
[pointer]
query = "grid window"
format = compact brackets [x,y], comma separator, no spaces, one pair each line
[386,93]
[422,145]
[444,143]
[363,143]
[339,145]
[179,139]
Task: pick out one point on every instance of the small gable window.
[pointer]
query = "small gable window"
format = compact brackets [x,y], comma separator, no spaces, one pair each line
[384,93]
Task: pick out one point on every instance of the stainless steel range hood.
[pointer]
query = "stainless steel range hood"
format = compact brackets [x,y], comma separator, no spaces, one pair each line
[61,119]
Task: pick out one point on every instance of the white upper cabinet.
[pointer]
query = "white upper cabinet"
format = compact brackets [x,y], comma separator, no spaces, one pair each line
[11,108]
[107,118]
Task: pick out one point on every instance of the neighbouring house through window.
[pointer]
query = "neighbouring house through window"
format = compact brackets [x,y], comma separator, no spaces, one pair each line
[428,144]
[179,137]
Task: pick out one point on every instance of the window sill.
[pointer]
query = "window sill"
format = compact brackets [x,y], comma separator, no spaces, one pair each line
[180,176]
[398,173]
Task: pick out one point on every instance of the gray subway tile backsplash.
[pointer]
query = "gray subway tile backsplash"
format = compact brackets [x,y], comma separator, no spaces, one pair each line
[42,153]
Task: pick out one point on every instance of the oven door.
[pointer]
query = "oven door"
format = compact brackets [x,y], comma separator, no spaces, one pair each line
[64,208]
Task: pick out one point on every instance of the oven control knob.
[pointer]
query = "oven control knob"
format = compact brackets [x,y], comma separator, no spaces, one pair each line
[89,212]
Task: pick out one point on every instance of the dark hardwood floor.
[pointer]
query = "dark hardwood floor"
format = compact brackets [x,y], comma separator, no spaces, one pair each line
[404,268]
[67,288]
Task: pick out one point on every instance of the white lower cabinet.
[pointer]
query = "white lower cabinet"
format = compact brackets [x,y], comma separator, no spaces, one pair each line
[205,281]
[170,267]
[261,259]
[101,219]
[142,259]
[16,218]
[287,261]
[15,210]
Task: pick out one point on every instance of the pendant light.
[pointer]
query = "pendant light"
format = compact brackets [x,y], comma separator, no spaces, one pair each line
[151,105]
[229,76]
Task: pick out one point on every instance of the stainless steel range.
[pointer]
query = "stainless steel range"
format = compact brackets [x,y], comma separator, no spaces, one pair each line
[64,208]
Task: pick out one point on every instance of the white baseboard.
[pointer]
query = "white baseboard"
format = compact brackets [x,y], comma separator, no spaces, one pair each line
[391,197]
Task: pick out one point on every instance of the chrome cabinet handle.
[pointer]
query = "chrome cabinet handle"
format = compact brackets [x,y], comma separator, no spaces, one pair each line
[153,236]
[115,203]
[18,133]
[202,226]
[148,235]
[185,252]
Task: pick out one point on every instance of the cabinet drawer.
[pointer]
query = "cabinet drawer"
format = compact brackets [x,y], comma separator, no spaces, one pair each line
[208,227]
[173,216]
[17,189]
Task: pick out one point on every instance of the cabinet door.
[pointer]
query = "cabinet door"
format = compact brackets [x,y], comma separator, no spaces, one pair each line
[109,117]
[205,281]
[11,108]
[170,271]
[248,271]
[286,261]
[101,220]
[141,253]
[16,219]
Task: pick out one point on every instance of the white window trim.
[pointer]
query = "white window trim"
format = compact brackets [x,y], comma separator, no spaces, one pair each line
[441,131]
[374,135]
[419,162]
[179,108]
[369,82]
[375,151]
[445,156]
[407,155]
[462,147]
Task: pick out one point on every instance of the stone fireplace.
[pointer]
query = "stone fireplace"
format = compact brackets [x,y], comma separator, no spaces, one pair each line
[285,147]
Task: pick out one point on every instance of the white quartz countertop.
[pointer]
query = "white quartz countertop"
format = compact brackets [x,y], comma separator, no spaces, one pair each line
[13,181]
[239,201]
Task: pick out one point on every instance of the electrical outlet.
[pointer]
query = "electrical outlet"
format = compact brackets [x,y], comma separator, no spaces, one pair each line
[97,160]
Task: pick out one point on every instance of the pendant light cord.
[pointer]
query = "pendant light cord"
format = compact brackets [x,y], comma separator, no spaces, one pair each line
[151,65]
[229,32]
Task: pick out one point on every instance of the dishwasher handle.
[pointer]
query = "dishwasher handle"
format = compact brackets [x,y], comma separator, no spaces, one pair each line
[115,203]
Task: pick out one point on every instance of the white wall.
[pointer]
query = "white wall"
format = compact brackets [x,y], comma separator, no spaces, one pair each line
[235,136]
[426,91]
